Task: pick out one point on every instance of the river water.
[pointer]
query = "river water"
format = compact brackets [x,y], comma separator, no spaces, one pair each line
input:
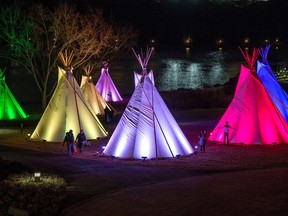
[187,70]
[172,70]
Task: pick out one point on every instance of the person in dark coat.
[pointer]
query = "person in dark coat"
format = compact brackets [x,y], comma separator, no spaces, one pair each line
[81,139]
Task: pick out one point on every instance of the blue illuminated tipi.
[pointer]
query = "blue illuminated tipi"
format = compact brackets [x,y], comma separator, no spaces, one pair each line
[273,88]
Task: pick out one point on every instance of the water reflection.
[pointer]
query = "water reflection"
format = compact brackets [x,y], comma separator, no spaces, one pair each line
[187,70]
[172,71]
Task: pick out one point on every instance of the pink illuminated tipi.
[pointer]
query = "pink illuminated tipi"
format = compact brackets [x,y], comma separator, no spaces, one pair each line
[147,129]
[106,87]
[253,117]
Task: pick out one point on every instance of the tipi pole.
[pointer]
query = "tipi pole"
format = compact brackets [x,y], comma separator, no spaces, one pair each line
[156,149]
[77,108]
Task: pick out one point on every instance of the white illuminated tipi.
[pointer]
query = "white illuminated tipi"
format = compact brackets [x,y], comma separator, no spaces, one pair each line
[147,128]
[67,110]
[96,101]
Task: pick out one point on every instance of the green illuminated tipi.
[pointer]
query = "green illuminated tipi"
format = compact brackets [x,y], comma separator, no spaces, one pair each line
[9,107]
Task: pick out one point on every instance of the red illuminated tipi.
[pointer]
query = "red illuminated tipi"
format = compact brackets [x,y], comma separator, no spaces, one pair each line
[252,116]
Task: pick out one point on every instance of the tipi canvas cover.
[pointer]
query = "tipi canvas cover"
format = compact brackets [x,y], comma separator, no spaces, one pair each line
[67,109]
[106,87]
[253,117]
[9,107]
[92,95]
[147,129]
[273,88]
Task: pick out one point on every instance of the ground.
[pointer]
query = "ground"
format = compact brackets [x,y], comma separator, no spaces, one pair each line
[226,180]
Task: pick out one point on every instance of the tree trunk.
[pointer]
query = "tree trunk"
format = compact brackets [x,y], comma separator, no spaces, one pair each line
[44,97]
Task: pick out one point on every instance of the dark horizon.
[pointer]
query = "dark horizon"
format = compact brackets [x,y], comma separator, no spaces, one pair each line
[204,22]
[171,22]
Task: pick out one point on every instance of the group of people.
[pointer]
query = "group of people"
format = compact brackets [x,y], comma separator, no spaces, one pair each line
[70,142]
[81,140]
[202,137]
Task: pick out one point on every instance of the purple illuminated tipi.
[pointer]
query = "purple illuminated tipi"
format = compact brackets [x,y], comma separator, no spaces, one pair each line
[106,87]
[252,115]
[147,129]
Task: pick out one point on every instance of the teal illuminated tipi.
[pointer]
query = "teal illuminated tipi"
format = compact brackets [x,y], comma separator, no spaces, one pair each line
[9,107]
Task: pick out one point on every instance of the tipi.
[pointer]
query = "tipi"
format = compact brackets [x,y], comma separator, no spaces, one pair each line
[143,62]
[9,107]
[253,117]
[270,82]
[67,109]
[106,87]
[147,129]
[96,101]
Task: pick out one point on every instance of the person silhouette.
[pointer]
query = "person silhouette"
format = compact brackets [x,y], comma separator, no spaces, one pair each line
[202,141]
[226,133]
[81,138]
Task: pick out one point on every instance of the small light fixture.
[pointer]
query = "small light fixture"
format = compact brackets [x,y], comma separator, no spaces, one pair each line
[178,156]
[144,158]
[37,176]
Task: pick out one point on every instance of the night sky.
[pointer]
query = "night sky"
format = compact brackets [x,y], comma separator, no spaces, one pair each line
[170,22]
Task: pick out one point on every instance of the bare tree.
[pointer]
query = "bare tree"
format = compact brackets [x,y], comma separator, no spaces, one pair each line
[35,40]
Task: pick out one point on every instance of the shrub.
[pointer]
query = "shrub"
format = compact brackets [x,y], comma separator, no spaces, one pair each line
[21,191]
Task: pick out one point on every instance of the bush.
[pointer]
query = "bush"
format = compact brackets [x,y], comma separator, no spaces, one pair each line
[21,191]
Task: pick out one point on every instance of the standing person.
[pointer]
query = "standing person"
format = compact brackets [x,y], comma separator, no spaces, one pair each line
[71,141]
[67,143]
[226,133]
[202,141]
[106,110]
[81,139]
